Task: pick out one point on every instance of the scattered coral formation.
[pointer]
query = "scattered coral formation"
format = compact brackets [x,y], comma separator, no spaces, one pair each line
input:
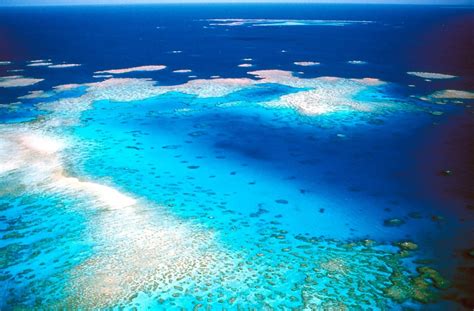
[143,254]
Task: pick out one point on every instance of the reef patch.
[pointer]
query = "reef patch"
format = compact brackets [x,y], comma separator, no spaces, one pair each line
[430,75]
[17,81]
[132,69]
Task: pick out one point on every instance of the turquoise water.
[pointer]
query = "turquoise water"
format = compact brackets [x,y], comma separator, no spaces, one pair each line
[279,189]
[236,204]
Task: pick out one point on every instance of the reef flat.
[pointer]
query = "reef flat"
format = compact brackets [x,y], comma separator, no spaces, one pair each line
[142,255]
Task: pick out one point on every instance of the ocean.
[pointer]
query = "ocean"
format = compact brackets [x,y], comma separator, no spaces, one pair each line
[236,156]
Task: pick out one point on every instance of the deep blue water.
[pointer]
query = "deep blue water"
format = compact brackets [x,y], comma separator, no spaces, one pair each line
[239,204]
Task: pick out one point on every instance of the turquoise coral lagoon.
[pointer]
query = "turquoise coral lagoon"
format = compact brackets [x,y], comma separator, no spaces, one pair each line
[126,184]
